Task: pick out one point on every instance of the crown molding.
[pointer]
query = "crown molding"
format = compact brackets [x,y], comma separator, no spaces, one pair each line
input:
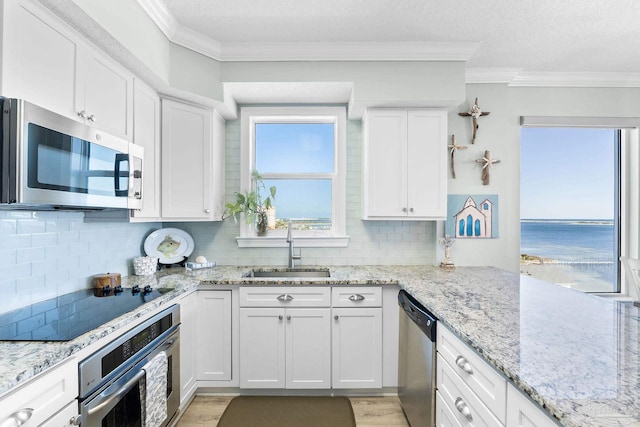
[518,78]
[311,51]
[576,79]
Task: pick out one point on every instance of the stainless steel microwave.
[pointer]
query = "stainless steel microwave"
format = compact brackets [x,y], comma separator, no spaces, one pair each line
[49,161]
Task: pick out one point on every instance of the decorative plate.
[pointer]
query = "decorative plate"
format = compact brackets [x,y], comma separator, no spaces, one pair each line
[170,245]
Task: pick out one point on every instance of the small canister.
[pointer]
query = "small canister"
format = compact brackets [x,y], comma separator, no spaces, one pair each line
[145,266]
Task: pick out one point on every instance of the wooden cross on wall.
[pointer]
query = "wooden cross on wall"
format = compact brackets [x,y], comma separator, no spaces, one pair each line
[487,164]
[453,148]
[475,114]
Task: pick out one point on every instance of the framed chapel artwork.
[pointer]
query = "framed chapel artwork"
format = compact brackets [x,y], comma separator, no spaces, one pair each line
[472,216]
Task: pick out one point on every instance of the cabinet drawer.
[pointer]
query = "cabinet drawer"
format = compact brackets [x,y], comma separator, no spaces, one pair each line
[285,296]
[46,394]
[464,403]
[356,297]
[477,374]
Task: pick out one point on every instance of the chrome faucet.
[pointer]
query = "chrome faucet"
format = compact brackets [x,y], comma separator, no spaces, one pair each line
[292,257]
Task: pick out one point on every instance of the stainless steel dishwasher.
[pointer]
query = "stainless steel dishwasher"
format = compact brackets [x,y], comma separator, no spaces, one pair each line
[416,362]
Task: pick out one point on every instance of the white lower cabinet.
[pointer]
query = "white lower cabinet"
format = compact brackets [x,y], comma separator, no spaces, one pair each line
[357,337]
[213,359]
[45,395]
[64,417]
[285,348]
[188,342]
[521,412]
[470,392]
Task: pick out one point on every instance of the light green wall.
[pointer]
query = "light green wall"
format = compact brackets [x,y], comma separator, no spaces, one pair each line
[196,73]
[500,133]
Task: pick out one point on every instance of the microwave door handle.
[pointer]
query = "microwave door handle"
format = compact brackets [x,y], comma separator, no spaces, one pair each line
[120,158]
[118,394]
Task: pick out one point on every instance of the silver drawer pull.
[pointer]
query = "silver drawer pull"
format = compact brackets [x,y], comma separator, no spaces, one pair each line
[463,408]
[289,317]
[464,364]
[18,418]
[285,297]
[356,297]
[280,317]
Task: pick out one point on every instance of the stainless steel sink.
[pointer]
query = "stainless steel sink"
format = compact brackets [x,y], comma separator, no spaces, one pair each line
[289,273]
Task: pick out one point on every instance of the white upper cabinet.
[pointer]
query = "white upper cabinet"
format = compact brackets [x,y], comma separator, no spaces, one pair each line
[48,64]
[38,58]
[146,133]
[192,156]
[104,93]
[405,170]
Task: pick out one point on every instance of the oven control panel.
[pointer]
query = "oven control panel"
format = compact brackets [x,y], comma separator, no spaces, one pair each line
[120,353]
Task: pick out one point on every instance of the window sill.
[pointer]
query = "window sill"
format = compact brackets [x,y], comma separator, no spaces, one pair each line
[298,242]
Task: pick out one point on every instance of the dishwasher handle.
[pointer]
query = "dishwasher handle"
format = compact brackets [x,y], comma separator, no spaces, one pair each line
[418,314]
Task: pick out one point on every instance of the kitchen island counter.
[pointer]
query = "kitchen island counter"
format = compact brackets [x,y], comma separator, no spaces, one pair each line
[577,355]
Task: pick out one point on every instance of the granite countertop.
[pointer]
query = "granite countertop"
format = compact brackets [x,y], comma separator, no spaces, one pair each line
[577,355]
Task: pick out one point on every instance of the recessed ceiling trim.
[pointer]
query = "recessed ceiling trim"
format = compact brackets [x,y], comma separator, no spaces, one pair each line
[491,75]
[356,51]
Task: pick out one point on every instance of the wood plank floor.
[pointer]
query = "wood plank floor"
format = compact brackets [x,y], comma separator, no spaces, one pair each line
[205,411]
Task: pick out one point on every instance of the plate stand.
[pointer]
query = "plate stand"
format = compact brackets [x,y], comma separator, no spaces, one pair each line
[178,264]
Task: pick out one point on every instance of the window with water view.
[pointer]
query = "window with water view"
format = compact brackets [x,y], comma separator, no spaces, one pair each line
[298,159]
[569,207]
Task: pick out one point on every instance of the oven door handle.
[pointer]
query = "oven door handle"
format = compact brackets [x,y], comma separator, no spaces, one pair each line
[118,394]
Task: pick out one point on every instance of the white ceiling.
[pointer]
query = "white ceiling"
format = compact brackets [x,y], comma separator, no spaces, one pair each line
[577,36]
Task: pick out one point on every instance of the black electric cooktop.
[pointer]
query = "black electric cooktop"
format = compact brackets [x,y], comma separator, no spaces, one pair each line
[68,316]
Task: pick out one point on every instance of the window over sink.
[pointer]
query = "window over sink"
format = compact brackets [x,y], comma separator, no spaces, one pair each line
[302,152]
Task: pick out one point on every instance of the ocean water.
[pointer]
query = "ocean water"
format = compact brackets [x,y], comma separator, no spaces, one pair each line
[586,246]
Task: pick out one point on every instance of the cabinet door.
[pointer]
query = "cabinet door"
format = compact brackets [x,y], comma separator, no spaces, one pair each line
[38,58]
[308,348]
[146,133]
[427,164]
[104,93]
[357,347]
[214,336]
[521,412]
[262,348]
[186,162]
[64,417]
[188,342]
[385,164]
[445,417]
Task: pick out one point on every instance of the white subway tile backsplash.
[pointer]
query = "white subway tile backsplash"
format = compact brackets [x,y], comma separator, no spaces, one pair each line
[43,254]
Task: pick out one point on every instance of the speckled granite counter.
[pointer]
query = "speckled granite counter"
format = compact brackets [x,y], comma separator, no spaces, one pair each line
[575,354]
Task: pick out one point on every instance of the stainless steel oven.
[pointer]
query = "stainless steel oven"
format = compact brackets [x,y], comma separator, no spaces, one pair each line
[111,379]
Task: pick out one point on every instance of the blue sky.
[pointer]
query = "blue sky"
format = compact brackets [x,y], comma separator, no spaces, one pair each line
[567,173]
[297,148]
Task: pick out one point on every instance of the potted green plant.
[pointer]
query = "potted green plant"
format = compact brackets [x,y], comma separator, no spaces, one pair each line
[251,204]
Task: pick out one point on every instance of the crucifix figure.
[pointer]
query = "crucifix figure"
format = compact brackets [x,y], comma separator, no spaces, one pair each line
[453,147]
[475,114]
[487,163]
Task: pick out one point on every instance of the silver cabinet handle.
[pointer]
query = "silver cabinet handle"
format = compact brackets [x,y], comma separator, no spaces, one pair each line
[464,364]
[207,211]
[92,118]
[463,408]
[18,418]
[411,210]
[356,297]
[83,114]
[336,317]
[404,209]
[285,298]
[289,317]
[280,317]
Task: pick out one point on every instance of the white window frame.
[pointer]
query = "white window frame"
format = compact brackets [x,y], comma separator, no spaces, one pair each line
[336,237]
[629,191]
